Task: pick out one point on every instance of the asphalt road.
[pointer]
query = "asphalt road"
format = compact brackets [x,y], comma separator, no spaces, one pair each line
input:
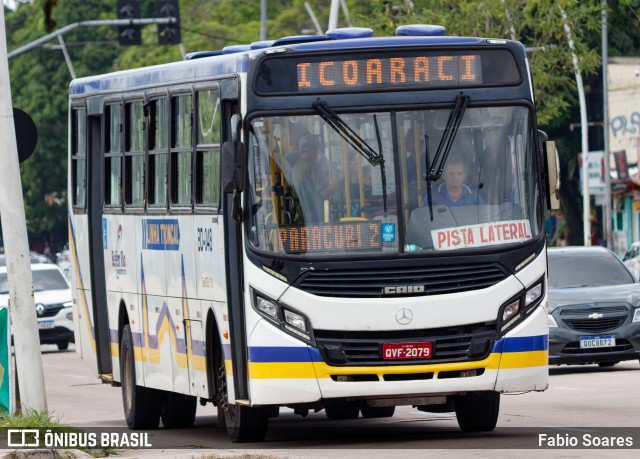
[581,400]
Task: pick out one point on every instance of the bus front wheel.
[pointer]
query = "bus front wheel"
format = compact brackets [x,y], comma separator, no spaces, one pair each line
[141,404]
[246,423]
[477,411]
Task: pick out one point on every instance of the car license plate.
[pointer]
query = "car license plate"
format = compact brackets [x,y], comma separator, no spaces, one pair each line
[589,342]
[398,351]
[45,324]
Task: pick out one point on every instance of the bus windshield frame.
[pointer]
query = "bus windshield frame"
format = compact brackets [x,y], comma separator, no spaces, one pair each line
[333,204]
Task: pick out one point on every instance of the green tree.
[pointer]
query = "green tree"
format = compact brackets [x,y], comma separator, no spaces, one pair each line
[539,26]
[39,85]
[40,77]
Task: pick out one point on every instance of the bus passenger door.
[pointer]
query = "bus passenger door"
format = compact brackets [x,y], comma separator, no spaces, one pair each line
[95,201]
[233,251]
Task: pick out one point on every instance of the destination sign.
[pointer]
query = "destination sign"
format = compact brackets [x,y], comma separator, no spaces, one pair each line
[160,234]
[338,237]
[386,71]
[442,70]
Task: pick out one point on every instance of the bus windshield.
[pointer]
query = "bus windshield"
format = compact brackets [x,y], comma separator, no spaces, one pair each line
[312,193]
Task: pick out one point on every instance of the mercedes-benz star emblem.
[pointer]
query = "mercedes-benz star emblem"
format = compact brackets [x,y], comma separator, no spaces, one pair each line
[404,316]
[40,309]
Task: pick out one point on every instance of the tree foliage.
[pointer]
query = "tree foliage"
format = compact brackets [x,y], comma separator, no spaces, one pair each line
[40,77]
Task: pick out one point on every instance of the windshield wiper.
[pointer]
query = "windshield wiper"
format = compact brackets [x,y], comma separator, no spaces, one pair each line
[348,134]
[428,176]
[453,123]
[375,158]
[383,174]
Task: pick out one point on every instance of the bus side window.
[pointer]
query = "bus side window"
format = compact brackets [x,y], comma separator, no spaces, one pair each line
[79,158]
[181,149]
[208,148]
[134,155]
[158,152]
[113,155]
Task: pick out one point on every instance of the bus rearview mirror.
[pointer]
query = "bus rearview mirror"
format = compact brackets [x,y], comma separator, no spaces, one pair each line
[553,175]
[232,168]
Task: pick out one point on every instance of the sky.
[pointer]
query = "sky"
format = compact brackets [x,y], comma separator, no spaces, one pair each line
[10,3]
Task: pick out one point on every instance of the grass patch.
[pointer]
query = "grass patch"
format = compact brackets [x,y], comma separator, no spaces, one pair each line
[33,420]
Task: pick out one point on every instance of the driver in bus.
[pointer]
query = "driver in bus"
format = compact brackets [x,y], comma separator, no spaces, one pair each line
[309,181]
[453,191]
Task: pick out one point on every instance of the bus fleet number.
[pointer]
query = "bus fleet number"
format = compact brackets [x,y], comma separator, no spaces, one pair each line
[205,240]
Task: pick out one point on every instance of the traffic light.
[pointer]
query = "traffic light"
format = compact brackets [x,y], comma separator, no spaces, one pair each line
[168,34]
[129,34]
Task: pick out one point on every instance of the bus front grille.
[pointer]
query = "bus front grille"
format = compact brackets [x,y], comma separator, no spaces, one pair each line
[452,344]
[401,281]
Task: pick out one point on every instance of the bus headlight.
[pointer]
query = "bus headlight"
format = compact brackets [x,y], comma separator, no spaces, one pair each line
[510,310]
[295,322]
[533,294]
[282,316]
[518,308]
[267,307]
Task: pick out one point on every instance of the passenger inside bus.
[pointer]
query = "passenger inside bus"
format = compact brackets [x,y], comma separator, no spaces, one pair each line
[310,181]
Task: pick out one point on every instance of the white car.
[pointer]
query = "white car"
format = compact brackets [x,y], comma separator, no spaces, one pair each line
[631,259]
[52,295]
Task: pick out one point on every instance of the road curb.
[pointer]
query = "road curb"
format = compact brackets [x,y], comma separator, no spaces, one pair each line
[44,454]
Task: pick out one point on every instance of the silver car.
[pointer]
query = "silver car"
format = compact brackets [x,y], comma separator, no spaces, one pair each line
[52,295]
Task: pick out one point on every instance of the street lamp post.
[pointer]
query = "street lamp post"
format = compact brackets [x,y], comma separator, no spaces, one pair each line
[606,217]
[586,208]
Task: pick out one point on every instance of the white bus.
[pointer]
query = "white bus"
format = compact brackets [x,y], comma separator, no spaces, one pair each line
[337,222]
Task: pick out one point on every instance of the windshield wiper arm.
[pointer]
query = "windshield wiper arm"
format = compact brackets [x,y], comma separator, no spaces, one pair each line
[453,123]
[348,134]
[383,174]
[428,177]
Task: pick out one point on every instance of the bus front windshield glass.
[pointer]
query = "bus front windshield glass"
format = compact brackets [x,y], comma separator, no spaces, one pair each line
[361,185]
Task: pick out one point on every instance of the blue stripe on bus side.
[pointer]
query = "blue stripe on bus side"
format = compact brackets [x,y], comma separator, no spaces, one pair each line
[522,344]
[283,354]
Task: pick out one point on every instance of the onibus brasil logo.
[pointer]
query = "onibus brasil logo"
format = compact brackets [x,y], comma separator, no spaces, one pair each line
[38,438]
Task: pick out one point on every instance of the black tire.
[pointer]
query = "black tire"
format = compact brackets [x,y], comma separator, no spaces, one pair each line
[62,345]
[246,423]
[141,404]
[338,411]
[376,411]
[607,364]
[178,410]
[478,412]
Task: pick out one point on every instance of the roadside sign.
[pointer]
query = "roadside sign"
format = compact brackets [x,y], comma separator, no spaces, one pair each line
[5,362]
[596,173]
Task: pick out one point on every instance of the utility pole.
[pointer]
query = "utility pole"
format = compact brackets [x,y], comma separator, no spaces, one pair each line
[333,14]
[263,20]
[14,229]
[606,217]
[586,210]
